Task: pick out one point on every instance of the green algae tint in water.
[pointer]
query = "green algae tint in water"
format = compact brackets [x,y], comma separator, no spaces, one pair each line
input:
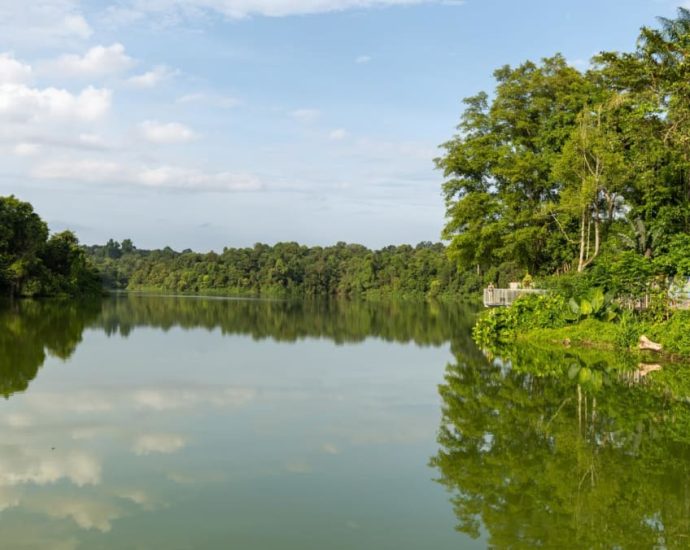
[153,422]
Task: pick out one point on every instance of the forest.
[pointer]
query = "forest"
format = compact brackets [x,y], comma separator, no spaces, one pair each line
[282,269]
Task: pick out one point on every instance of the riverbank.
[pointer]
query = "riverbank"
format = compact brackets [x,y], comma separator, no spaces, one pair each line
[549,320]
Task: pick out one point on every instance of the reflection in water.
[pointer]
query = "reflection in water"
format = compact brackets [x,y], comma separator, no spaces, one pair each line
[423,323]
[540,447]
[565,449]
[181,438]
[30,330]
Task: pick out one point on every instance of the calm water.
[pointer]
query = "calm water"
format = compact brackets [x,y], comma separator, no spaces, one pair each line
[154,422]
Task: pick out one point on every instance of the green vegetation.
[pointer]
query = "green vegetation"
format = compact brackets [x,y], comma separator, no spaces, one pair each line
[32,263]
[286,269]
[564,172]
[549,319]
[580,182]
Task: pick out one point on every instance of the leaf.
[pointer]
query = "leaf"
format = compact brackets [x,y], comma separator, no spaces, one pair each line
[586,307]
[597,299]
[574,306]
[584,375]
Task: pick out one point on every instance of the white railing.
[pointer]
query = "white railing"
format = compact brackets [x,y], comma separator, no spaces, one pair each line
[494,297]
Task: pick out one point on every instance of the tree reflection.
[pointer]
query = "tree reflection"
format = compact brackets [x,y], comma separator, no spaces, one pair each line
[565,449]
[31,330]
[343,321]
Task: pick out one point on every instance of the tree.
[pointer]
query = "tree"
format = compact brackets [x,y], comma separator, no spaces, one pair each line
[22,235]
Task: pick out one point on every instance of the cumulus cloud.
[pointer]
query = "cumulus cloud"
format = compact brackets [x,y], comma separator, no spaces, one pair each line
[13,71]
[166,132]
[21,103]
[152,78]
[98,61]
[173,177]
[363,59]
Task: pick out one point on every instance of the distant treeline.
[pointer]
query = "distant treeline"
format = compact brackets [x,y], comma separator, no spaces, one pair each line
[283,269]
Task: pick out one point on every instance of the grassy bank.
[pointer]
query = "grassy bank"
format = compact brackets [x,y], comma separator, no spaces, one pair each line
[549,320]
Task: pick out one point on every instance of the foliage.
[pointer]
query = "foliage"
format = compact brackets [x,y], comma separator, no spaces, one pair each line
[673,333]
[286,269]
[560,171]
[32,263]
[594,304]
[527,312]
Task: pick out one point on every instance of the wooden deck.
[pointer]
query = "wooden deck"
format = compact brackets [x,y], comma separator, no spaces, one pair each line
[497,297]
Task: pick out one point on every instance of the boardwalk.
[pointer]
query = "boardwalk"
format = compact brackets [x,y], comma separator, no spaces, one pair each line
[494,297]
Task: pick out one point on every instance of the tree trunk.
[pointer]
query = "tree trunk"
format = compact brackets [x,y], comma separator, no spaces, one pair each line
[583,234]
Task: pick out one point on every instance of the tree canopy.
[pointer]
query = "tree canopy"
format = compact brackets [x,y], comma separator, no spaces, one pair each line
[33,262]
[559,168]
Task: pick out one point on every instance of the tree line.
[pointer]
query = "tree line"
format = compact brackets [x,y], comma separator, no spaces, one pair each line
[282,269]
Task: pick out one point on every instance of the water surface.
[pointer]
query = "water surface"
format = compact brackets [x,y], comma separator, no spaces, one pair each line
[163,422]
[158,422]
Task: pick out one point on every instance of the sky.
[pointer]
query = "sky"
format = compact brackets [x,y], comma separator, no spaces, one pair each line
[209,123]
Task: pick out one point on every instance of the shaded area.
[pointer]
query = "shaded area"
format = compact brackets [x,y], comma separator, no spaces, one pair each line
[566,449]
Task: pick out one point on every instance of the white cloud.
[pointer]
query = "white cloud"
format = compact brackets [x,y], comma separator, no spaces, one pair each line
[363,59]
[20,103]
[224,102]
[158,443]
[76,25]
[25,149]
[93,141]
[173,177]
[305,115]
[98,61]
[13,71]
[44,22]
[175,10]
[338,134]
[166,132]
[152,78]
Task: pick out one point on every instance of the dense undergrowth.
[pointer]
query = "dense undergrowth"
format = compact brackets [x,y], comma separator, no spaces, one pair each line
[550,318]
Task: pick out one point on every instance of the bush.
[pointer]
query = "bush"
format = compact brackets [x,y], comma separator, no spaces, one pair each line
[527,312]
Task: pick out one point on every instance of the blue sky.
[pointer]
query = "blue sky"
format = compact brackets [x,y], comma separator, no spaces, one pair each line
[211,123]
